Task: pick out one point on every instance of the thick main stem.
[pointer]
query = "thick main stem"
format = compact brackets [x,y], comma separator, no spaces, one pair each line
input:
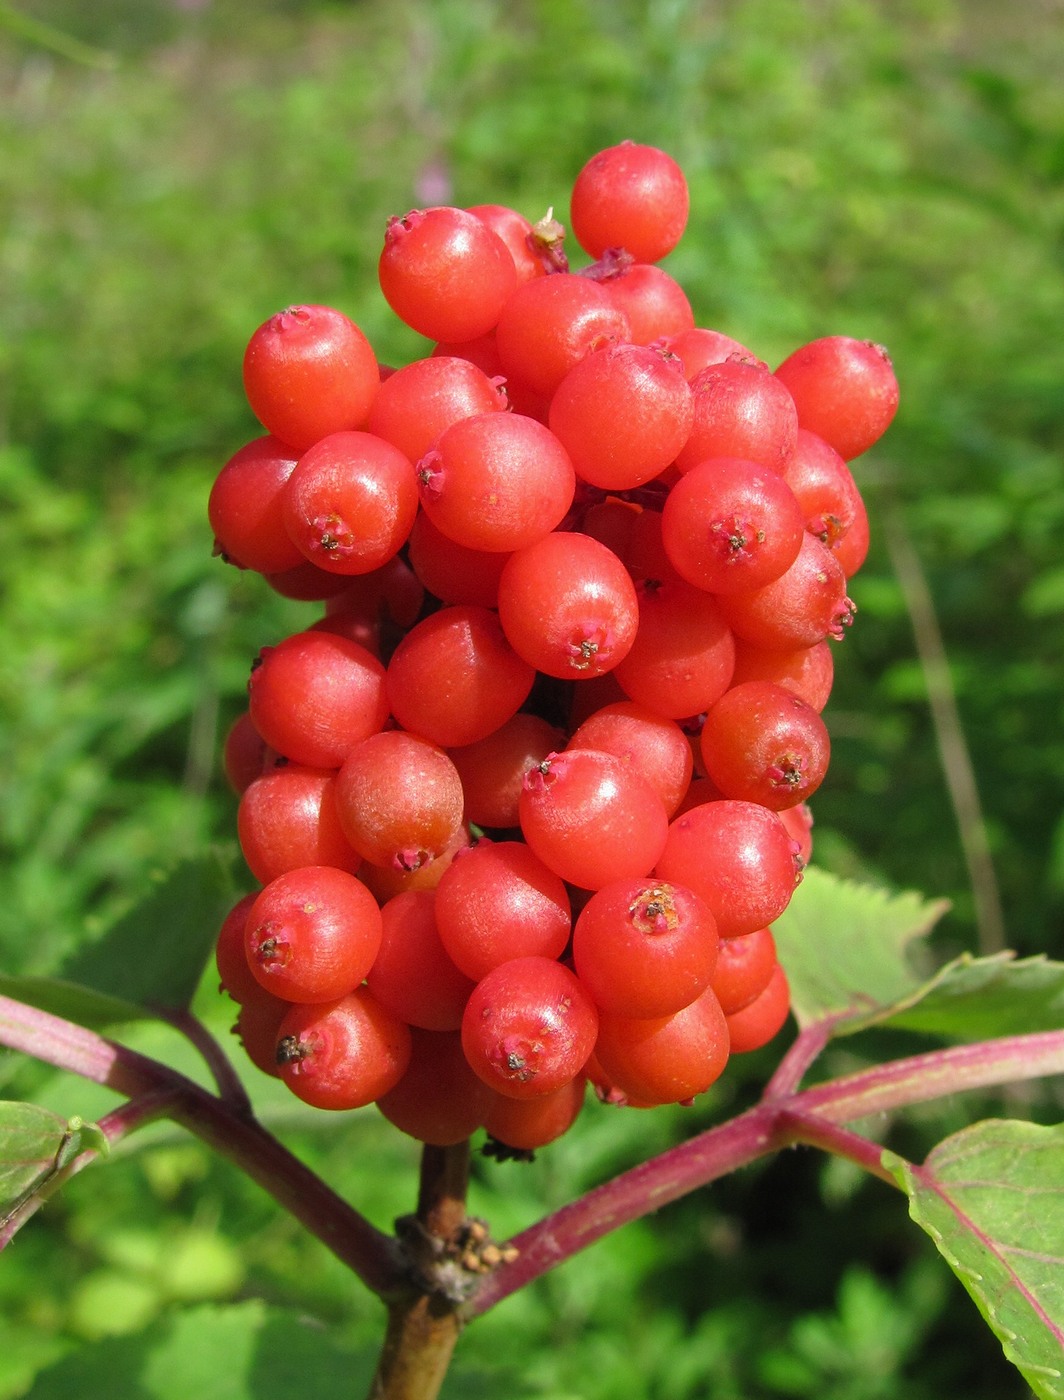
[423,1322]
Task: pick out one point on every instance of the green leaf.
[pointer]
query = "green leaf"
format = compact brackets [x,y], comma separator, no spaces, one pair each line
[979,998]
[992,1199]
[244,1351]
[846,948]
[852,955]
[35,1147]
[154,954]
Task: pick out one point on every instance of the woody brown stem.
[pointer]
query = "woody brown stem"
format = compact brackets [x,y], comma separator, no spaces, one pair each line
[423,1323]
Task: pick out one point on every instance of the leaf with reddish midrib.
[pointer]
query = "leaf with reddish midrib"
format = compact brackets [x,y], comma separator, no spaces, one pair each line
[992,1199]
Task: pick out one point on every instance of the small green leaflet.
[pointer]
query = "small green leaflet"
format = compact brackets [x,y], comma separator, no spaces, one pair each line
[992,1199]
[853,955]
[151,957]
[35,1148]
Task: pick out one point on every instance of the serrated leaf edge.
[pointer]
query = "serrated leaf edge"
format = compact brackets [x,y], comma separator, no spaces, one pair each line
[908,1176]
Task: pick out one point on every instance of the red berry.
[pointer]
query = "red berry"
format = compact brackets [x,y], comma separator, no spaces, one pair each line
[309,371]
[630,196]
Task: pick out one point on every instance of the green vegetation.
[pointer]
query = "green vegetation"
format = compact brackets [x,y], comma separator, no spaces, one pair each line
[176,172]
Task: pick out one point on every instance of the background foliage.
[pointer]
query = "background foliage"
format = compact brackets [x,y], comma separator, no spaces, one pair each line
[174,173]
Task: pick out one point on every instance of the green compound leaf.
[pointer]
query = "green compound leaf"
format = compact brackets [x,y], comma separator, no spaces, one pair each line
[846,949]
[853,955]
[154,954]
[35,1147]
[992,1199]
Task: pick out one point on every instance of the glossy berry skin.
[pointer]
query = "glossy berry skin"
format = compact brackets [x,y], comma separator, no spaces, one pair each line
[666,1059]
[234,971]
[496,482]
[498,901]
[630,196]
[644,947]
[700,346]
[590,819]
[762,743]
[445,273]
[525,1124]
[413,975]
[655,304]
[740,410]
[807,671]
[350,503]
[312,934]
[655,748]
[683,655]
[805,604]
[343,1054]
[454,678]
[439,1099]
[453,572]
[729,524]
[529,1027]
[287,818]
[493,770]
[400,800]
[245,508]
[257,1023]
[422,399]
[309,371]
[244,753]
[517,233]
[568,606]
[622,414]
[844,390]
[738,857]
[761,1019]
[550,324]
[744,969]
[314,696]
[828,496]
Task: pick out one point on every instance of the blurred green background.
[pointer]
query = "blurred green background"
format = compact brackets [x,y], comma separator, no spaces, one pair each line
[173,173]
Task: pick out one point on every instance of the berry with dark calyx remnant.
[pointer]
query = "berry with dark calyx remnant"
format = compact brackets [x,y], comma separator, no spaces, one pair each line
[529,1027]
[343,1054]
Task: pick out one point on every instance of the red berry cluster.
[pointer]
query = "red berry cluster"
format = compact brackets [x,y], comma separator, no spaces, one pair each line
[526,800]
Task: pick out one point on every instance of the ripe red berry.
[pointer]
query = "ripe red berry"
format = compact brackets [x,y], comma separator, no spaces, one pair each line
[343,1054]
[762,743]
[445,273]
[529,1027]
[400,800]
[644,947]
[314,696]
[591,819]
[309,371]
[245,508]
[630,196]
[844,390]
[568,606]
[312,934]
[350,502]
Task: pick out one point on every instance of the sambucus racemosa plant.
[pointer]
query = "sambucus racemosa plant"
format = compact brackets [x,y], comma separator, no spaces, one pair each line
[527,804]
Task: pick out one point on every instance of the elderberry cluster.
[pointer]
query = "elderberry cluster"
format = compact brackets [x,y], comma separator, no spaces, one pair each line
[524,803]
